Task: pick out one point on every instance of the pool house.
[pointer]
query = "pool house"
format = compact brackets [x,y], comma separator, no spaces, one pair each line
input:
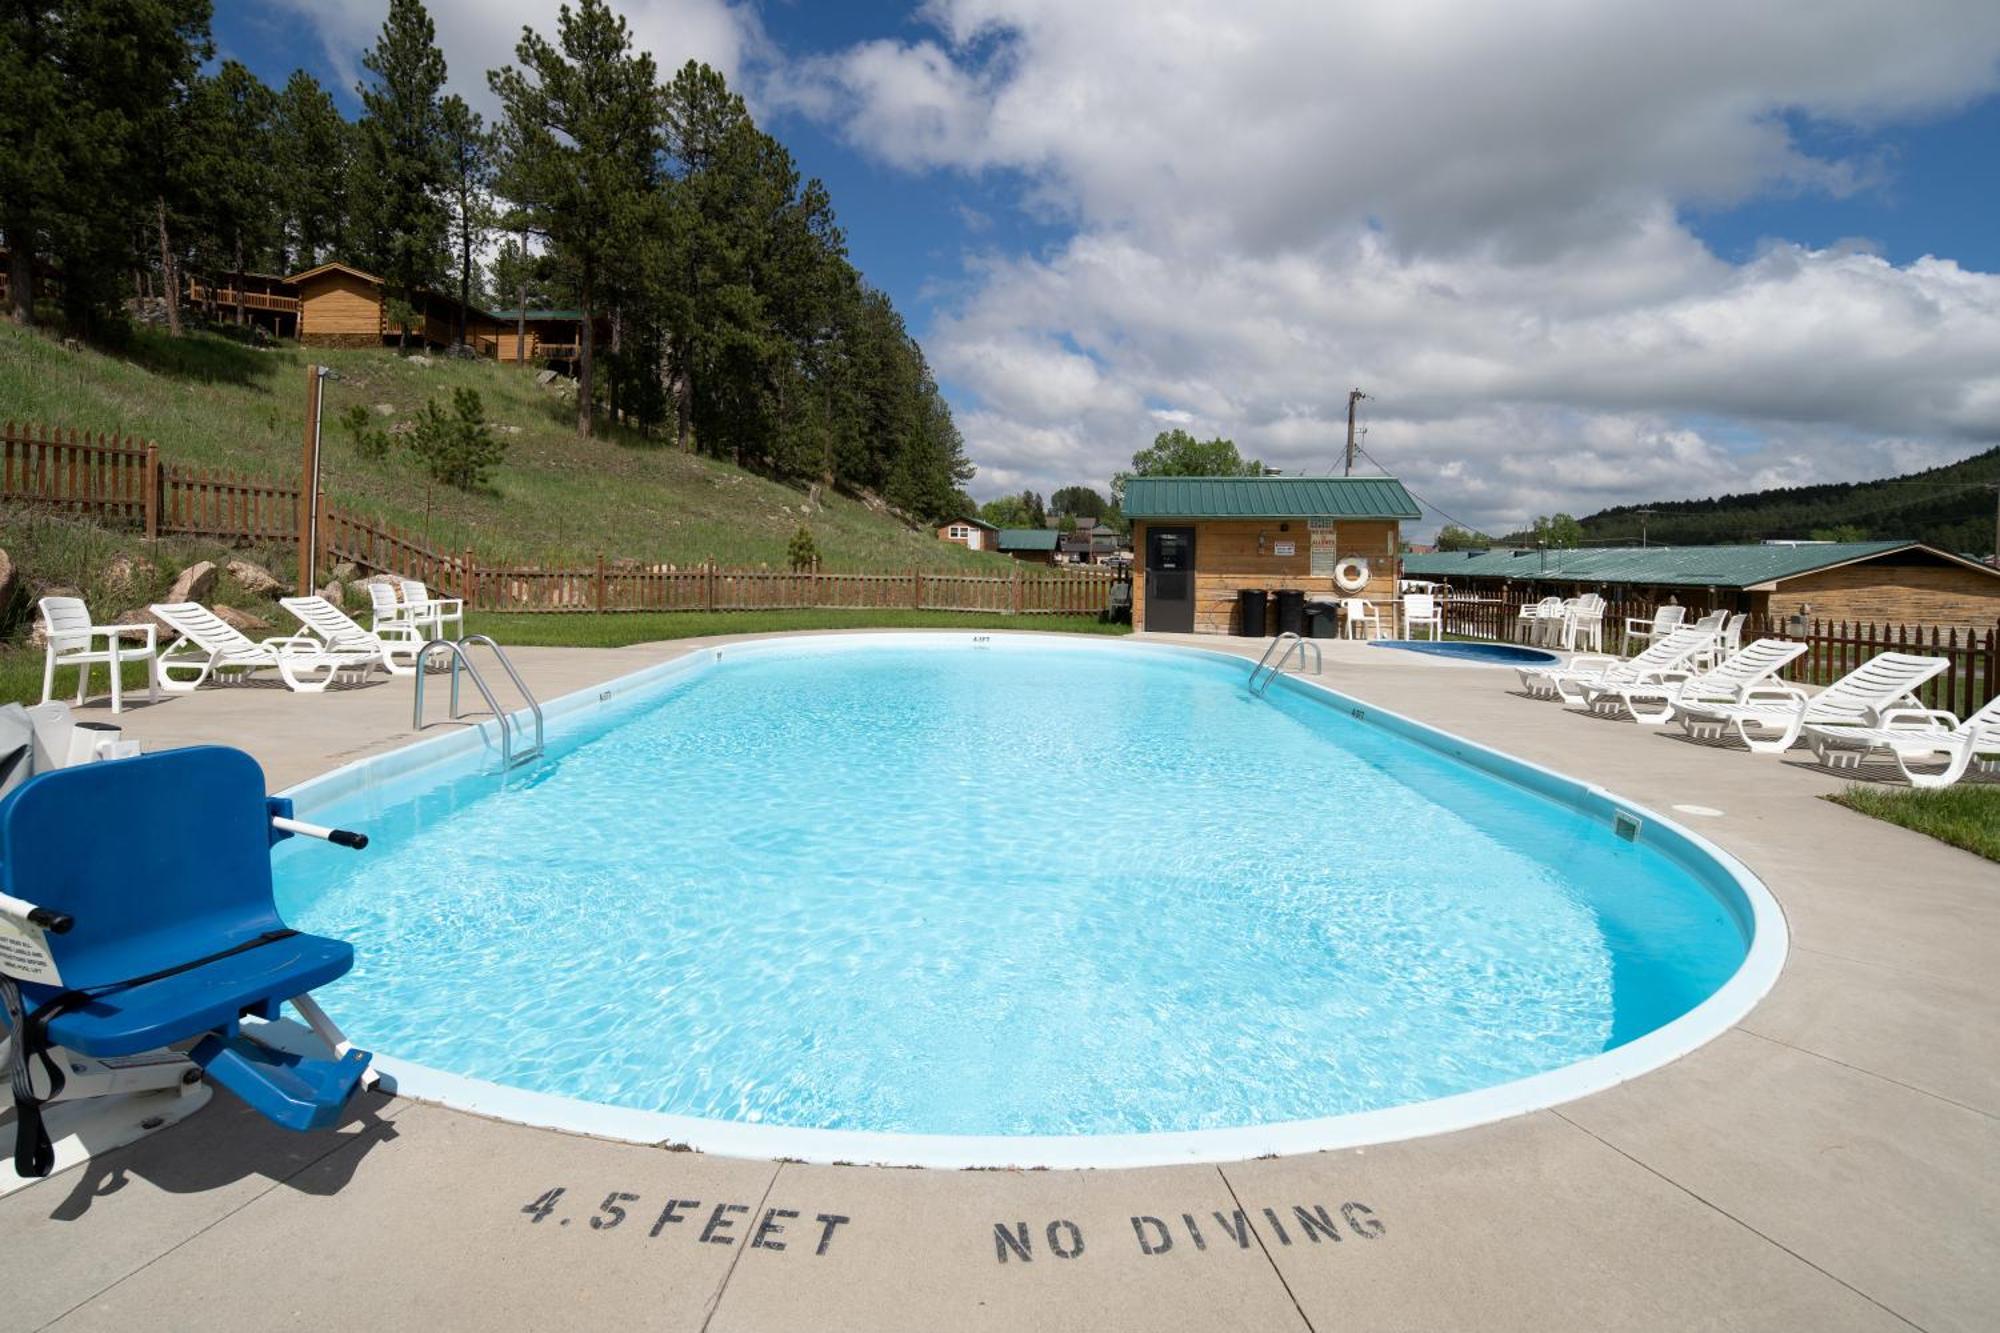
[1201,541]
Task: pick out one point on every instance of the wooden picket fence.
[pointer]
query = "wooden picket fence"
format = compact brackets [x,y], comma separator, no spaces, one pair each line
[1834,647]
[119,480]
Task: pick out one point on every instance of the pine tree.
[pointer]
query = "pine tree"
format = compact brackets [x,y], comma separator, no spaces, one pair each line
[401,212]
[235,183]
[310,149]
[579,138]
[468,151]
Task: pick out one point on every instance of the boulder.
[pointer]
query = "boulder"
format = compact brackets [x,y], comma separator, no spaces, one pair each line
[545,377]
[385,409]
[243,620]
[8,580]
[254,579]
[142,616]
[334,593]
[418,359]
[122,572]
[195,583]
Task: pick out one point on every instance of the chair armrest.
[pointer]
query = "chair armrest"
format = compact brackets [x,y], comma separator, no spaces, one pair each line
[1592,662]
[149,632]
[294,642]
[1774,692]
[1917,717]
[1634,624]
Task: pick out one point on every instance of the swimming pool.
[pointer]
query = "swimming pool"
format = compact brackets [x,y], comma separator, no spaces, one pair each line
[1494,654]
[1011,900]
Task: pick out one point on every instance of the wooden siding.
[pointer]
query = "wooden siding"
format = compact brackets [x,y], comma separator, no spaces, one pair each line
[1881,591]
[339,309]
[1233,554]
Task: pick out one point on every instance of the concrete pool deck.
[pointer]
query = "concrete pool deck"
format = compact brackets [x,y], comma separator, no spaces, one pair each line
[1833,1161]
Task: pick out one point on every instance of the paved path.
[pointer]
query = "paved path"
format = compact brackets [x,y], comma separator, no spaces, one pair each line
[1831,1163]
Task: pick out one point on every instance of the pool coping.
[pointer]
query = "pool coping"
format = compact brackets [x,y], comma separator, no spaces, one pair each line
[1758,911]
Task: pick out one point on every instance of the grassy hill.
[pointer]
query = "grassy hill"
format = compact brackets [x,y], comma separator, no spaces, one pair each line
[1950,507]
[211,402]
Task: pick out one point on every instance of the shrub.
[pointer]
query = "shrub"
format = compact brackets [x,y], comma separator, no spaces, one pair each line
[803,552]
[369,441]
[456,447]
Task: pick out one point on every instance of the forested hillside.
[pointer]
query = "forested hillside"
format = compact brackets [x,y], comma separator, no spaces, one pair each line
[1950,507]
[737,327]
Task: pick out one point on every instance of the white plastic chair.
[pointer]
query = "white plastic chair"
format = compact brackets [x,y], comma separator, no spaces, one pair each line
[1664,622]
[398,645]
[71,640]
[212,645]
[434,611]
[1917,733]
[1421,608]
[1584,627]
[1863,698]
[1653,702]
[1362,620]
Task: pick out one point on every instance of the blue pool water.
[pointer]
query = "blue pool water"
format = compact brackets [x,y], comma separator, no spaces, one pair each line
[1015,891]
[1498,654]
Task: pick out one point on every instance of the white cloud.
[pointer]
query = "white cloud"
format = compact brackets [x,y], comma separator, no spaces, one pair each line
[1471,210]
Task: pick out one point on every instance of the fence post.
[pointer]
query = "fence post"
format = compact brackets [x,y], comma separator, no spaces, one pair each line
[1016,578]
[600,580]
[916,589]
[708,584]
[466,585]
[151,481]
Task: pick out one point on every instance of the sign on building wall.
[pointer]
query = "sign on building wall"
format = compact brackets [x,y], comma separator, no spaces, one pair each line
[1325,552]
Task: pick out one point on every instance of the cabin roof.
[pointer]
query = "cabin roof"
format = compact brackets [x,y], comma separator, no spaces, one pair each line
[1268,497]
[1743,566]
[1028,539]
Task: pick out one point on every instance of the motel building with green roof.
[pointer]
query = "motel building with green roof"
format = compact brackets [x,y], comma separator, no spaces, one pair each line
[1034,546]
[1878,582]
[1198,541]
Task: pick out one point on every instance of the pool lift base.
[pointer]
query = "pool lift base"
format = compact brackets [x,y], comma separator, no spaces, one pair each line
[108,1104]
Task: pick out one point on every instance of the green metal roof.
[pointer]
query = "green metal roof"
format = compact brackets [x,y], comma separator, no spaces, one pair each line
[1268,497]
[535,316]
[1028,539]
[1692,566]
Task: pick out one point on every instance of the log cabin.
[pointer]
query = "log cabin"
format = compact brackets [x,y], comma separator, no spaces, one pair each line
[1199,541]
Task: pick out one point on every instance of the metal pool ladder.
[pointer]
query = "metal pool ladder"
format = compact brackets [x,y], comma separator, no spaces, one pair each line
[1266,671]
[456,647]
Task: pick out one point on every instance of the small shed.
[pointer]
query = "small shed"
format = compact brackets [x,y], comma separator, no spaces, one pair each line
[974,534]
[1036,546]
[1879,582]
[1200,540]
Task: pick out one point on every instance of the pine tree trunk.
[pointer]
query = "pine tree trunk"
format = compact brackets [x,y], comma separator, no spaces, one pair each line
[239,281]
[170,274]
[584,366]
[464,280]
[20,271]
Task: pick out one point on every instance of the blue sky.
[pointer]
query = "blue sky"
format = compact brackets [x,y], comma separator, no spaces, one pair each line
[1578,254]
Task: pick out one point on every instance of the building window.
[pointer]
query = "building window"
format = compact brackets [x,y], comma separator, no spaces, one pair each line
[960,534]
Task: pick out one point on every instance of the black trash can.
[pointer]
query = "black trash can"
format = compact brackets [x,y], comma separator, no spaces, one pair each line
[1323,619]
[1291,611]
[1250,612]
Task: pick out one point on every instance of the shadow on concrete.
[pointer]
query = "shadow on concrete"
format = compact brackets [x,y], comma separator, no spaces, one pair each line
[226,1142]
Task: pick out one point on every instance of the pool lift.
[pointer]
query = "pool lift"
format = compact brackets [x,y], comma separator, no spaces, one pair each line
[509,758]
[1266,670]
[129,983]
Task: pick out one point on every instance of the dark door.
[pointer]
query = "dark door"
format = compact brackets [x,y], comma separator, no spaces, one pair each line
[1170,580]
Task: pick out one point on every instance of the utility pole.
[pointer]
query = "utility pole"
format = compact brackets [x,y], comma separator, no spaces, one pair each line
[1643,514]
[1353,396]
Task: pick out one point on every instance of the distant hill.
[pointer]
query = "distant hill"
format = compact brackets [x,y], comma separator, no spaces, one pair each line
[1935,506]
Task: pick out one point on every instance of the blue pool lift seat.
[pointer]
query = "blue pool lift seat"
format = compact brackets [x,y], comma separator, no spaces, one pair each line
[157,872]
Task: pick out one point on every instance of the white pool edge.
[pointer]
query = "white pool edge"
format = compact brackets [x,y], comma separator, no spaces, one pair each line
[1763,962]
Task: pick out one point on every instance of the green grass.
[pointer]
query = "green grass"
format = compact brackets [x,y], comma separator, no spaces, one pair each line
[618,630]
[1964,816]
[210,402]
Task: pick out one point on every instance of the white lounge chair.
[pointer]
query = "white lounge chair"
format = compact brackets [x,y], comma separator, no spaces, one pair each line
[435,611]
[398,644]
[1528,623]
[1860,698]
[1652,703]
[1917,733]
[1363,622]
[1665,621]
[210,645]
[1590,671]
[72,641]
[1421,608]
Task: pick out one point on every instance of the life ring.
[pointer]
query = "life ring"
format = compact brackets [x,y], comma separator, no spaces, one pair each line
[1351,574]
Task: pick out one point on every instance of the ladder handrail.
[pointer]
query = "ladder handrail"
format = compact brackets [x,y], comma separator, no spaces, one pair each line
[1292,643]
[507,665]
[492,704]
